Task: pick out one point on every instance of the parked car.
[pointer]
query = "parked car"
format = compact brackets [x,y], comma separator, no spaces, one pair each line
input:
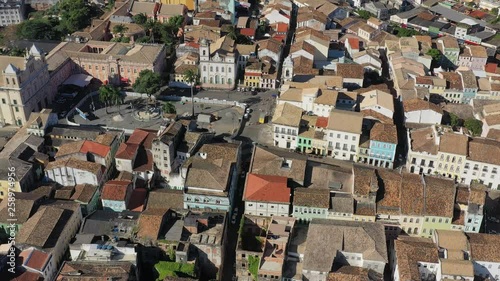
[249,110]
[233,221]
[246,116]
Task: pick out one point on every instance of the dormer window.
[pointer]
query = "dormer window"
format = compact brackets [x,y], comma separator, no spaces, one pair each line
[286,164]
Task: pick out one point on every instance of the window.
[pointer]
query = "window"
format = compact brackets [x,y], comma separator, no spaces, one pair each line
[103,68]
[17,109]
[14,101]
[112,70]
[228,69]
[3,101]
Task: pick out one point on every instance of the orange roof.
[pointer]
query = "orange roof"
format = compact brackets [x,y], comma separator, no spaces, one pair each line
[267,188]
[353,42]
[252,74]
[95,148]
[247,31]
[126,151]
[491,67]
[35,259]
[280,37]
[322,122]
[137,137]
[281,27]
[115,190]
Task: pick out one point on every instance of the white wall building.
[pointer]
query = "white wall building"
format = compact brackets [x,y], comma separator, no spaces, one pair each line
[482,164]
[11,12]
[286,123]
[419,111]
[218,62]
[343,134]
[70,172]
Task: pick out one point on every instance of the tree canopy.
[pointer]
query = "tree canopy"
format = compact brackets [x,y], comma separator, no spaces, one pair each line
[365,14]
[38,28]
[405,32]
[169,108]
[140,19]
[435,54]
[455,120]
[74,15]
[148,82]
[474,126]
[109,94]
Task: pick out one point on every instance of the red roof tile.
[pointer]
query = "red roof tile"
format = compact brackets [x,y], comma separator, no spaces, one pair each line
[247,31]
[115,190]
[322,122]
[281,27]
[477,14]
[28,276]
[491,67]
[127,151]
[95,148]
[267,188]
[280,37]
[35,259]
[137,137]
[353,42]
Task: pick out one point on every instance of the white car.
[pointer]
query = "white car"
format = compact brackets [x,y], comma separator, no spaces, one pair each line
[249,110]
[246,116]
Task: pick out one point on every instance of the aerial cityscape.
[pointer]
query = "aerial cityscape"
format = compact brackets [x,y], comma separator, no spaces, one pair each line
[249,140]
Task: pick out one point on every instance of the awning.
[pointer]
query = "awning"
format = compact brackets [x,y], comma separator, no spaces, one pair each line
[80,80]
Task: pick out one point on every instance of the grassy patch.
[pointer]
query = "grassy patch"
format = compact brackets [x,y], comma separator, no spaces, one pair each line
[174,269]
[253,266]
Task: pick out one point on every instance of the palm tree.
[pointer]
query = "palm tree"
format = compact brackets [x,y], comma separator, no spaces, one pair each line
[120,29]
[191,77]
[109,94]
[232,32]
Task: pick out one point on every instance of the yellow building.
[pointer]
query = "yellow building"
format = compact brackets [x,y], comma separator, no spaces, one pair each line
[189,3]
[253,73]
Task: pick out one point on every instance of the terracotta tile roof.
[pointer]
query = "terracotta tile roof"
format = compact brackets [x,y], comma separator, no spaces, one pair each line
[269,161]
[270,44]
[364,179]
[287,114]
[307,13]
[84,193]
[372,114]
[424,140]
[412,195]
[311,197]
[303,66]
[410,252]
[321,122]
[35,259]
[419,104]
[350,70]
[126,151]
[150,223]
[494,134]
[280,27]
[484,247]
[26,206]
[453,79]
[391,202]
[43,228]
[328,97]
[64,192]
[384,133]
[211,168]
[96,271]
[424,80]
[453,143]
[115,190]
[302,45]
[353,42]
[265,188]
[247,31]
[365,209]
[439,196]
[353,273]
[491,67]
[76,164]
[166,199]
[462,195]
[345,121]
[485,151]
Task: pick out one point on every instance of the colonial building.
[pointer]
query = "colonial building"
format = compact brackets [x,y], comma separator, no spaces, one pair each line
[24,86]
[218,62]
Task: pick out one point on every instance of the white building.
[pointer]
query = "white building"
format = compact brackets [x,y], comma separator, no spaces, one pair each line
[343,134]
[70,172]
[164,147]
[37,261]
[267,195]
[11,12]
[419,111]
[24,86]
[423,145]
[413,259]
[377,101]
[286,123]
[218,62]
[482,163]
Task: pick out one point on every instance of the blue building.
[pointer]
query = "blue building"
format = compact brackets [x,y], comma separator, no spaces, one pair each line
[380,149]
[469,84]
[212,177]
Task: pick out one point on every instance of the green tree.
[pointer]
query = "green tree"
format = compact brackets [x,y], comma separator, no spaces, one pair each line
[120,29]
[191,77]
[454,120]
[148,82]
[140,19]
[405,32]
[169,108]
[176,21]
[365,14]
[435,54]
[474,126]
[74,15]
[109,94]
[494,12]
[231,32]
[40,28]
